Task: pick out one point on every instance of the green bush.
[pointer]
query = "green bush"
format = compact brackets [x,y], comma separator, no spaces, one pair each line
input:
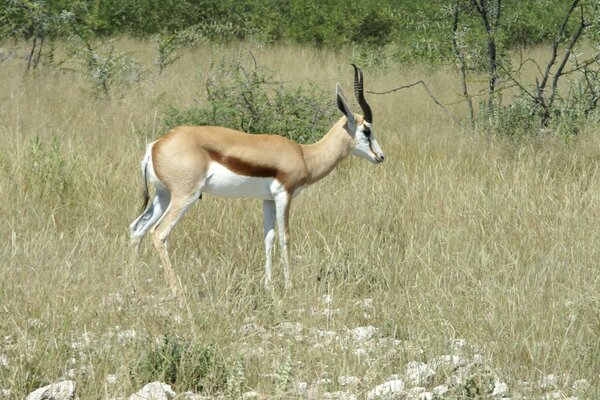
[189,366]
[517,119]
[248,97]
[49,173]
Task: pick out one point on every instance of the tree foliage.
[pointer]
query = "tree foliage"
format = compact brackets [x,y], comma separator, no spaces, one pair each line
[416,27]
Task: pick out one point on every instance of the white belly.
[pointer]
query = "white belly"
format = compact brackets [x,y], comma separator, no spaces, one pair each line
[220,181]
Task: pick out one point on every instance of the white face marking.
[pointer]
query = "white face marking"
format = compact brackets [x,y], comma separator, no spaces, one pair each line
[221,181]
[365,144]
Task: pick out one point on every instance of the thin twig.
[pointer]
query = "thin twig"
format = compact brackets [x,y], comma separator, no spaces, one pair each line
[462,65]
[568,51]
[555,44]
[436,101]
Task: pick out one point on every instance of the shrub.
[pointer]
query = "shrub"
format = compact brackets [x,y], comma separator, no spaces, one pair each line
[176,361]
[50,174]
[247,97]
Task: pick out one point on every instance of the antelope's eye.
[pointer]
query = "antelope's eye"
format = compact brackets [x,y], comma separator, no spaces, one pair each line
[367,132]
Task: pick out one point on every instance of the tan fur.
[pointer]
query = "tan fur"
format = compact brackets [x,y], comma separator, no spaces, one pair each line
[181,157]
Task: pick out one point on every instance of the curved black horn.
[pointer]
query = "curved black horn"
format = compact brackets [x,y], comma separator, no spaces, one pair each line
[359,93]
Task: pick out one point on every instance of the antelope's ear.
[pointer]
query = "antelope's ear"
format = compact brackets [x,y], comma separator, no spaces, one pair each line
[345,109]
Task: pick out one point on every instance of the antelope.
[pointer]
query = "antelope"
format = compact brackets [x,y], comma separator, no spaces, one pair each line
[191,160]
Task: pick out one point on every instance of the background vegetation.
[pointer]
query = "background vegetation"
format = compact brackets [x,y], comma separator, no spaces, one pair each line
[480,227]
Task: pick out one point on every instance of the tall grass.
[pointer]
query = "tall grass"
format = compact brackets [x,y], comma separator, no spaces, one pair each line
[456,235]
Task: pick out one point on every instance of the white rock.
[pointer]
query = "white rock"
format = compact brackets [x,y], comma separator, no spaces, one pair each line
[478,359]
[362,333]
[388,390]
[111,379]
[500,389]
[322,381]
[250,395]
[549,382]
[338,396]
[126,336]
[348,381]
[253,328]
[326,336]
[425,396]
[458,344]
[553,395]
[193,396]
[327,299]
[361,353]
[293,329]
[581,385]
[64,390]
[418,373]
[440,390]
[447,361]
[365,303]
[4,361]
[414,392]
[154,391]
[302,387]
[5,394]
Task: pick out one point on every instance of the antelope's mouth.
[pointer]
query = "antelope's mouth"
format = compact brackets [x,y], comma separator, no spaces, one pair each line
[378,158]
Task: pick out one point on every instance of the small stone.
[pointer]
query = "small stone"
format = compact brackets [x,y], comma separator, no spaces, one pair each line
[458,344]
[553,395]
[348,381]
[193,396]
[361,353]
[440,390]
[365,303]
[500,389]
[338,396]
[448,361]
[413,393]
[362,333]
[387,391]
[154,391]
[581,385]
[326,336]
[549,382]
[64,390]
[126,336]
[302,387]
[250,395]
[4,361]
[293,329]
[418,373]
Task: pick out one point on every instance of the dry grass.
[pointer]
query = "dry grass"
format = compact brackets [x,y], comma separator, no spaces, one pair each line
[456,235]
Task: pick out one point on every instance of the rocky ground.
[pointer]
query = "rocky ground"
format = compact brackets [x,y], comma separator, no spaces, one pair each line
[462,372]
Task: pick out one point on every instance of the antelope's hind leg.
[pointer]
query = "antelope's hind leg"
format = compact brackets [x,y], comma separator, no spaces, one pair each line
[269,237]
[149,217]
[178,206]
[282,207]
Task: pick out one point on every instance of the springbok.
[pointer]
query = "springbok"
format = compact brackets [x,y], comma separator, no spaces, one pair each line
[191,160]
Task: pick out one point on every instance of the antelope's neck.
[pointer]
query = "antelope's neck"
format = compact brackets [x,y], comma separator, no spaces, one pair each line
[322,157]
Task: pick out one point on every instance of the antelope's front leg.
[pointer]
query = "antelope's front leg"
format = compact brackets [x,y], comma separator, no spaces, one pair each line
[282,205]
[269,237]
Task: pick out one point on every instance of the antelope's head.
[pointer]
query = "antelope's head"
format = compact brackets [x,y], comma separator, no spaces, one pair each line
[360,127]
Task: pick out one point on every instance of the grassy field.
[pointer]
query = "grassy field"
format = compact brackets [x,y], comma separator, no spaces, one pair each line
[456,236]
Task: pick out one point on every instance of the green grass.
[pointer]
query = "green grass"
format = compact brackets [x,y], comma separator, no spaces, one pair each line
[456,235]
